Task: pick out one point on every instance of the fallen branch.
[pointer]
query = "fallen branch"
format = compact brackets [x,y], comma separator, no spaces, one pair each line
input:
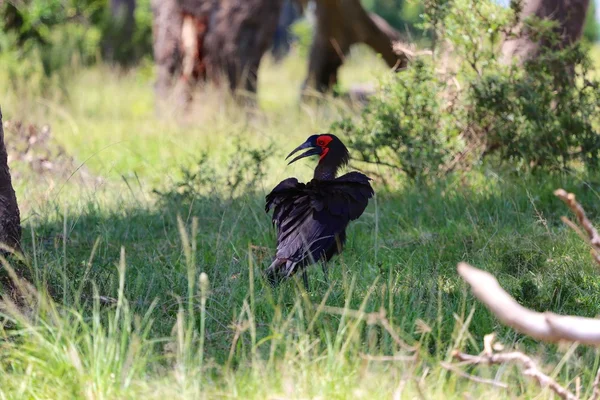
[529,368]
[592,234]
[408,51]
[546,326]
[399,357]
[459,372]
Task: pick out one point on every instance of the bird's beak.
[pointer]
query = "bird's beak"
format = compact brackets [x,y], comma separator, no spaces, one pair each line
[306,145]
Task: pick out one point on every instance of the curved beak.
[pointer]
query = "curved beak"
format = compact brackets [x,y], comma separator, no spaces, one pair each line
[306,145]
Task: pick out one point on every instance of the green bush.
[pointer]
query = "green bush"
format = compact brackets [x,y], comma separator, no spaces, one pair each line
[590,29]
[42,41]
[537,115]
[406,125]
[246,169]
[459,103]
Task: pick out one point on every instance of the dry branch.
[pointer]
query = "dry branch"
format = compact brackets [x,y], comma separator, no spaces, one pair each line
[592,234]
[546,326]
[399,357]
[459,372]
[529,368]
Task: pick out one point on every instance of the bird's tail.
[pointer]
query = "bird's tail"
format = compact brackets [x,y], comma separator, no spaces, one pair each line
[277,271]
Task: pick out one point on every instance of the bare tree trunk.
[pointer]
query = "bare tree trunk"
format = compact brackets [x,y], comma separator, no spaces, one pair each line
[122,12]
[570,15]
[195,40]
[340,24]
[290,12]
[166,35]
[118,46]
[235,43]
[10,219]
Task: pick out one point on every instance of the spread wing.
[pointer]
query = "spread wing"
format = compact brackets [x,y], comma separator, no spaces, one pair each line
[350,194]
[310,216]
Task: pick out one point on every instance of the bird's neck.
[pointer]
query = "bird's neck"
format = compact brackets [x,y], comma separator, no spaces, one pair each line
[325,172]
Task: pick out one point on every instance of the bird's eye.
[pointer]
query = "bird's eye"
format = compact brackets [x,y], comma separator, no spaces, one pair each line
[321,142]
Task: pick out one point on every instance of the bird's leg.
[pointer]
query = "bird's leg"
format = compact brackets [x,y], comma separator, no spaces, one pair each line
[305,279]
[325,271]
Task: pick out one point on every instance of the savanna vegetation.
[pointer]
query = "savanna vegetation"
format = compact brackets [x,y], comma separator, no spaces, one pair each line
[144,234]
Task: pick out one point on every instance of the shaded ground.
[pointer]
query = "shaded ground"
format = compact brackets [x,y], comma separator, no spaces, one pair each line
[408,242]
[32,150]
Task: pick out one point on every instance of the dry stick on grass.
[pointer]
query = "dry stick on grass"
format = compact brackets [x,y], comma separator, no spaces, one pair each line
[529,368]
[369,357]
[458,371]
[592,234]
[547,326]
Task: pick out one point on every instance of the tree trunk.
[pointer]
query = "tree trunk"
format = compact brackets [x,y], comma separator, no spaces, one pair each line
[166,35]
[195,40]
[282,39]
[118,46]
[570,15]
[340,24]
[10,220]
[235,43]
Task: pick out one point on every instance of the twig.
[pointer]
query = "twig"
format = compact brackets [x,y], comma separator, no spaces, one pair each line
[371,319]
[593,237]
[383,321]
[458,371]
[399,357]
[419,389]
[403,49]
[529,369]
[338,49]
[546,326]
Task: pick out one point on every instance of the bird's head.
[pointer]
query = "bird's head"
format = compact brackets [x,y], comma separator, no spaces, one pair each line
[328,147]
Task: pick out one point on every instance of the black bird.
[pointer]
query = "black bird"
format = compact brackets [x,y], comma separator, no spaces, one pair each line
[311,218]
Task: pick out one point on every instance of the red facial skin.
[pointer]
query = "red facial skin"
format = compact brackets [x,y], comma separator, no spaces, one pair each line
[323,142]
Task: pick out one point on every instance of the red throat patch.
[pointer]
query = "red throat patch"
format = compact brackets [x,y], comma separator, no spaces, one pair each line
[323,141]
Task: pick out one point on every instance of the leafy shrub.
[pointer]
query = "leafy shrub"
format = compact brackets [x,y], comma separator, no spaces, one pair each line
[42,40]
[246,170]
[39,39]
[591,27]
[461,103]
[538,115]
[406,125]
[303,32]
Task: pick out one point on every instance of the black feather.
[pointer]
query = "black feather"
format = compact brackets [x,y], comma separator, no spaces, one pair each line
[311,219]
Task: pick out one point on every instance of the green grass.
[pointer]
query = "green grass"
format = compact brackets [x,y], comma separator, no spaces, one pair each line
[130,319]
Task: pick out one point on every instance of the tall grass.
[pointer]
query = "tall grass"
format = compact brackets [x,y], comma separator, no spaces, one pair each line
[163,297]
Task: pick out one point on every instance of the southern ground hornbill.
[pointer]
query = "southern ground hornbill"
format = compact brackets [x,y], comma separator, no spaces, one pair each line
[311,218]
